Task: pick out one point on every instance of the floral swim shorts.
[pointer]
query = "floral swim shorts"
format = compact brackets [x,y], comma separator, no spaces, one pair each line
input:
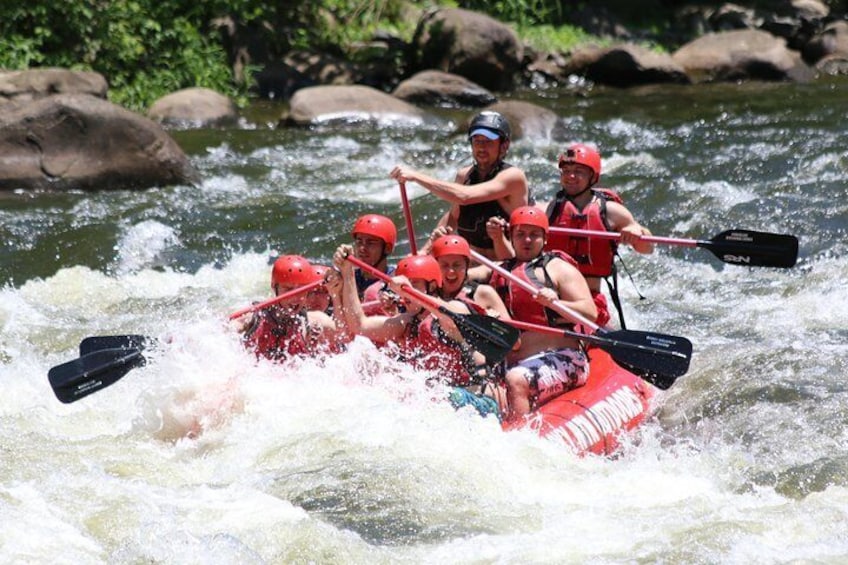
[551,373]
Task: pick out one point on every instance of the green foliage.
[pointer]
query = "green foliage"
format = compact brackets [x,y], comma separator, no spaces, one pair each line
[524,13]
[145,49]
[561,38]
[334,17]
[148,48]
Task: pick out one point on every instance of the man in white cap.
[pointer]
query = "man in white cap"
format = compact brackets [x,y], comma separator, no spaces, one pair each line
[488,188]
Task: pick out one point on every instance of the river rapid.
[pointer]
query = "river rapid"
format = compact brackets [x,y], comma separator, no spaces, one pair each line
[207,456]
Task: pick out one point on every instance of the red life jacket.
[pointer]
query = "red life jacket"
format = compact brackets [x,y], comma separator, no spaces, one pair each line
[437,352]
[275,341]
[428,347]
[520,303]
[594,256]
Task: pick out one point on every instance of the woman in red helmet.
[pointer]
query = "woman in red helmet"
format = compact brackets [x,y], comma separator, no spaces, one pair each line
[580,205]
[374,238]
[486,188]
[453,254]
[425,338]
[544,365]
[319,298]
[291,328]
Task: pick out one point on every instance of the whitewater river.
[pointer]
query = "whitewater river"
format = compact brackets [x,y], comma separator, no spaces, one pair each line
[206,456]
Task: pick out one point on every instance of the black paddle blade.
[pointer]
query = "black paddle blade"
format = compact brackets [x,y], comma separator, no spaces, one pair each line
[98,342]
[91,372]
[754,248]
[657,358]
[489,336]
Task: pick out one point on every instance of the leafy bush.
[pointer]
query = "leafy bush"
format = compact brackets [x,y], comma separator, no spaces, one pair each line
[148,48]
[145,49]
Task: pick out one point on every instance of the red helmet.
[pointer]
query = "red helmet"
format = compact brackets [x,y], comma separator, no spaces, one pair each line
[321,270]
[377,226]
[293,269]
[451,245]
[424,267]
[583,155]
[529,216]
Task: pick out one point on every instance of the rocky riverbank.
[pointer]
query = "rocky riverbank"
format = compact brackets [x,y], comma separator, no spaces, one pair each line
[456,58]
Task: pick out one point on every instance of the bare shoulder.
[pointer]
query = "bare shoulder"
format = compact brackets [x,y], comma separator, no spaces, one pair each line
[559,267]
[618,215]
[515,181]
[462,174]
[513,175]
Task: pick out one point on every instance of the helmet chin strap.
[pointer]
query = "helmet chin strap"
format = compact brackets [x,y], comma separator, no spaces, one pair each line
[582,192]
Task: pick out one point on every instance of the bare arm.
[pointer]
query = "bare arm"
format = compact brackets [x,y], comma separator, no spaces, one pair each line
[622,221]
[509,184]
[571,289]
[488,298]
[334,285]
[496,229]
[377,328]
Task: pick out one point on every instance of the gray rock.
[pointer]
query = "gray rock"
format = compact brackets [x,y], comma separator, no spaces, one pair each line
[77,141]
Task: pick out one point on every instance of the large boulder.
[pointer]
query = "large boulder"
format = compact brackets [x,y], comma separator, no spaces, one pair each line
[626,65]
[194,107]
[468,44]
[77,141]
[831,42]
[437,88]
[38,83]
[527,120]
[741,55]
[354,103]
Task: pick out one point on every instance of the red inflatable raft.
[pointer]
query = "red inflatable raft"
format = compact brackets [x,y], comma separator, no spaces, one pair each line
[591,418]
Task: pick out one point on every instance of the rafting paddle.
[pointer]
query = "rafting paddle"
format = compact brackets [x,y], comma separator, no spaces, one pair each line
[93,371]
[657,358]
[407,214]
[106,359]
[650,355]
[271,301]
[738,247]
[489,336]
[98,342]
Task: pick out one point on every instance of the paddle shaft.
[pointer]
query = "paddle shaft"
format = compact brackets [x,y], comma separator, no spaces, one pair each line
[271,301]
[557,305]
[617,236]
[415,293]
[407,214]
[737,247]
[591,338]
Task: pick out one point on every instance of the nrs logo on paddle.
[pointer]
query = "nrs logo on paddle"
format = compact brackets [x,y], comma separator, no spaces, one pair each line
[741,259]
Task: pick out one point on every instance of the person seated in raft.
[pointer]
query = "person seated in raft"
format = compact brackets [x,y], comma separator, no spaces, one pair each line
[427,340]
[544,366]
[319,298]
[374,238]
[580,204]
[291,328]
[453,253]
[488,187]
